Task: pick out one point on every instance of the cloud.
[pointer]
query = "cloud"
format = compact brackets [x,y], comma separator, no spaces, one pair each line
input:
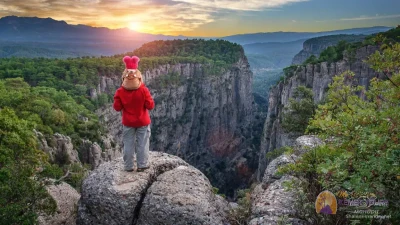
[242,5]
[376,17]
[154,16]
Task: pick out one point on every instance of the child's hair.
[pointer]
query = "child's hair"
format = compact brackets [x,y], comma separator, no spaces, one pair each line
[126,73]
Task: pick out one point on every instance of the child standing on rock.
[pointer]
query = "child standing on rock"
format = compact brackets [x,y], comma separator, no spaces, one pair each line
[133,98]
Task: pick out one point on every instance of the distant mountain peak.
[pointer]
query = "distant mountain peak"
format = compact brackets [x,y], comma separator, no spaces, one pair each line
[31,20]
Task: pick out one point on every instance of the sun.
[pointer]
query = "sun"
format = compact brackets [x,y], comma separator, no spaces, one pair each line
[134,26]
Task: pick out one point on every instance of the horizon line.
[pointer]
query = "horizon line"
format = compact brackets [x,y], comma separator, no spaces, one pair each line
[237,34]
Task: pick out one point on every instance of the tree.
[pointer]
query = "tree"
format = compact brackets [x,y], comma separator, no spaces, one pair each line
[22,195]
[300,110]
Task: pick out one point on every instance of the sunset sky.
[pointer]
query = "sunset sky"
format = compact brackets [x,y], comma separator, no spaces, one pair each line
[212,17]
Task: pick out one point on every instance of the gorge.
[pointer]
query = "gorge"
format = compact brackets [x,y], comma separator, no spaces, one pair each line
[203,142]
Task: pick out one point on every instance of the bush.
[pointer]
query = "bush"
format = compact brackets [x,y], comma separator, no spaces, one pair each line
[241,214]
[299,110]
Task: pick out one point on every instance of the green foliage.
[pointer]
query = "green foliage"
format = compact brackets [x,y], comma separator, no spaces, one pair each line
[22,195]
[333,53]
[263,80]
[241,214]
[334,39]
[362,126]
[311,60]
[350,45]
[166,81]
[215,50]
[290,71]
[8,50]
[77,174]
[49,110]
[278,152]
[299,110]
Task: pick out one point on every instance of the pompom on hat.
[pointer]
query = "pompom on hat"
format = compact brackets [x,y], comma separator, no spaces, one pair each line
[131,63]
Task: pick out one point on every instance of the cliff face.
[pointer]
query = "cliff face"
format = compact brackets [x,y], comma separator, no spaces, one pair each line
[204,119]
[315,46]
[317,77]
[309,49]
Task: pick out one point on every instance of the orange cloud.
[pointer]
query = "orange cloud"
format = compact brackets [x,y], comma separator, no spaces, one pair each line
[152,16]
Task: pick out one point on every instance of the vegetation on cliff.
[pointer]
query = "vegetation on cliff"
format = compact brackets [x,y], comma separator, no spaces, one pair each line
[336,53]
[300,109]
[50,111]
[362,150]
[22,192]
[217,51]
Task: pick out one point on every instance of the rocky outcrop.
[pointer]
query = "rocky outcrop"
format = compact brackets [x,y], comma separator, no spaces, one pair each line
[201,116]
[315,46]
[270,201]
[66,198]
[93,154]
[170,192]
[317,77]
[60,150]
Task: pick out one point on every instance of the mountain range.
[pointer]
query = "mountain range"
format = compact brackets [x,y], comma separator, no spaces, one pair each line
[48,33]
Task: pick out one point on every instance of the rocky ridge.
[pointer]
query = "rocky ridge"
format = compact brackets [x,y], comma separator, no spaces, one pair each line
[270,201]
[170,192]
[316,77]
[315,46]
[60,150]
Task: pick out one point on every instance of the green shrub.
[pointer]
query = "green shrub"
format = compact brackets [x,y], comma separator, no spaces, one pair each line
[22,194]
[298,112]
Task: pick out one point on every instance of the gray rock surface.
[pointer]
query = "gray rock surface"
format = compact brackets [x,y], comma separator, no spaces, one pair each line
[270,201]
[317,77]
[66,198]
[59,149]
[271,204]
[170,192]
[270,175]
[181,196]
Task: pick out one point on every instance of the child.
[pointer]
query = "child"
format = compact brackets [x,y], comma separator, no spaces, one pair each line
[134,100]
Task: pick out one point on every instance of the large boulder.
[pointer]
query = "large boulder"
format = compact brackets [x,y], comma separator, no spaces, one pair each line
[270,201]
[66,198]
[170,192]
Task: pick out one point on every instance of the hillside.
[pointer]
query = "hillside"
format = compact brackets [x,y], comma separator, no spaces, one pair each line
[11,49]
[268,53]
[294,36]
[315,46]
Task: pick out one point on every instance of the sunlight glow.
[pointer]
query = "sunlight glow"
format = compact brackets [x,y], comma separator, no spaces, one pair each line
[134,26]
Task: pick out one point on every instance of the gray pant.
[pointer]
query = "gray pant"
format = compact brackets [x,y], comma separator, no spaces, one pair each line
[136,140]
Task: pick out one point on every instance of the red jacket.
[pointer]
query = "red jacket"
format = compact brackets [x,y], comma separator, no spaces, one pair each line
[134,105]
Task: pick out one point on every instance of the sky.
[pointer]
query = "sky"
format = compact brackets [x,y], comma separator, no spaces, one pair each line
[212,18]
